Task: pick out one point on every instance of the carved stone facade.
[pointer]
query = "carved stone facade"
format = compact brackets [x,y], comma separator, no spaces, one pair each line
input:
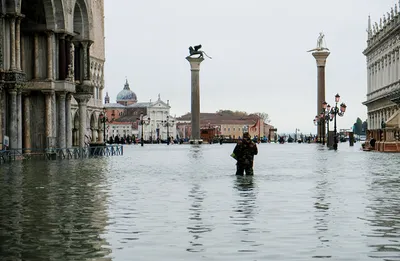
[51,72]
[383,80]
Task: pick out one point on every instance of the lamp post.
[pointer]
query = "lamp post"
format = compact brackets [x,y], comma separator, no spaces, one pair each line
[335,112]
[318,122]
[328,116]
[167,123]
[143,122]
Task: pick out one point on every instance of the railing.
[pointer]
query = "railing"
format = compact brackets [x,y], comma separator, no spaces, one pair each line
[61,153]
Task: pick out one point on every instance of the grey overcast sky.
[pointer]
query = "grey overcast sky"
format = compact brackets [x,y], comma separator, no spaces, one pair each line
[259,49]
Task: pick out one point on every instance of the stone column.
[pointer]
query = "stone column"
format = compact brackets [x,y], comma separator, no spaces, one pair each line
[18,42]
[13,126]
[50,55]
[22,55]
[12,43]
[320,57]
[19,119]
[68,122]
[48,115]
[1,116]
[86,62]
[27,122]
[62,58]
[82,102]
[36,57]
[195,104]
[71,67]
[62,120]
[368,79]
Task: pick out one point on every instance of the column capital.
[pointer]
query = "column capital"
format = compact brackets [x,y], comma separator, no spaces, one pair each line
[49,33]
[48,92]
[321,57]
[62,95]
[12,91]
[194,63]
[82,98]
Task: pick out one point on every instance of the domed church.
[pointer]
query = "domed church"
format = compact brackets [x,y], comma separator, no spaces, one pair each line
[126,96]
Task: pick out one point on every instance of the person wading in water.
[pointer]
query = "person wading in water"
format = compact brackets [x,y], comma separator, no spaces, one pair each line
[244,154]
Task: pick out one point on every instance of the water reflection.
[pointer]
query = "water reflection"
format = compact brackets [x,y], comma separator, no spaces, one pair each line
[321,207]
[51,212]
[384,213]
[197,227]
[245,211]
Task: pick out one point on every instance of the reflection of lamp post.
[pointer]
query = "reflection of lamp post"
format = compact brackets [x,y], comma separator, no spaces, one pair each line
[168,124]
[318,122]
[143,122]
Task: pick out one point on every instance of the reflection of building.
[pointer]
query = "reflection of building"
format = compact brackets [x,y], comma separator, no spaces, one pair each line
[127,111]
[51,72]
[383,82]
[226,125]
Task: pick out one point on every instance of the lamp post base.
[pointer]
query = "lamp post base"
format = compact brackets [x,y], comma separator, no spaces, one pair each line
[195,141]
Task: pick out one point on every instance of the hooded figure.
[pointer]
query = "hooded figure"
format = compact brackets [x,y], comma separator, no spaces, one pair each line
[244,154]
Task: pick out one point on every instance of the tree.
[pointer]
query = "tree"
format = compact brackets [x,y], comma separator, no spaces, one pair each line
[263,116]
[357,127]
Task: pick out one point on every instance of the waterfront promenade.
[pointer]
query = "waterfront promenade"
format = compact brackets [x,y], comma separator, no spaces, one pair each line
[183,202]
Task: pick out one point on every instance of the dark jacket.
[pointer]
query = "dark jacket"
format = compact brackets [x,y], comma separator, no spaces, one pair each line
[244,152]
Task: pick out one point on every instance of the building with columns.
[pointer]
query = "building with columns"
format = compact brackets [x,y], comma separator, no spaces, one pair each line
[383,80]
[126,112]
[51,72]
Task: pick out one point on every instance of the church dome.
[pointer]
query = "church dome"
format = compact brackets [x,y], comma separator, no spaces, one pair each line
[126,95]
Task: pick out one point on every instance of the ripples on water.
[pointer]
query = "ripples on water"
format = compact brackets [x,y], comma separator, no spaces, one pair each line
[183,202]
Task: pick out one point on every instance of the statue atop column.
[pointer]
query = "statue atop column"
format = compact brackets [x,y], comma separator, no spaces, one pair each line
[196,51]
[320,44]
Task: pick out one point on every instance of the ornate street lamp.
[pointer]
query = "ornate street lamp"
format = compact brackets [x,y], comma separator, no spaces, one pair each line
[318,122]
[334,112]
[143,122]
[167,123]
[326,110]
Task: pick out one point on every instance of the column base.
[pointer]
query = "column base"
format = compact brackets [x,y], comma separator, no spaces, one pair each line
[196,141]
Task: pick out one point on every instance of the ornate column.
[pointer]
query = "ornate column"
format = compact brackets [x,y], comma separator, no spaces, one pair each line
[22,55]
[27,122]
[368,79]
[62,120]
[12,43]
[195,105]
[13,126]
[71,67]
[36,57]
[18,42]
[48,115]
[82,102]
[320,57]
[68,122]
[62,58]
[1,116]
[50,55]
[19,119]
[86,61]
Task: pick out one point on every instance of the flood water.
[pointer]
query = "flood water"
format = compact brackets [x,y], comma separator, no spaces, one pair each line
[183,202]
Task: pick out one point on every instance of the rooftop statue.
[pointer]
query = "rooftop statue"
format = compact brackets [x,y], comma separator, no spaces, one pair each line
[320,44]
[196,51]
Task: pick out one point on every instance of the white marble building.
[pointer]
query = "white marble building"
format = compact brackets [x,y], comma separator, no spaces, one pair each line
[383,69]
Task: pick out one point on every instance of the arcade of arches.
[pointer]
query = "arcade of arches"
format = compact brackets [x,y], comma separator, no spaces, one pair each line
[50,83]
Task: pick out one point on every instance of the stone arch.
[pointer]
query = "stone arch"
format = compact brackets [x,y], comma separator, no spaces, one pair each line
[52,9]
[81,20]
